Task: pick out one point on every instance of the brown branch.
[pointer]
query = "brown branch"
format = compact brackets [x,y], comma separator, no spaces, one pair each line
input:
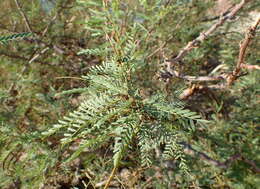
[202,78]
[24,16]
[203,36]
[60,8]
[216,17]
[252,163]
[44,44]
[49,25]
[191,151]
[26,20]
[230,78]
[14,56]
[38,54]
[194,88]
[178,25]
[250,67]
[242,52]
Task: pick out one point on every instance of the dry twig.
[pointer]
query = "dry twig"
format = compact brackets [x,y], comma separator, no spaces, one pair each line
[203,36]
[242,52]
[24,16]
[250,67]
[229,78]
[191,151]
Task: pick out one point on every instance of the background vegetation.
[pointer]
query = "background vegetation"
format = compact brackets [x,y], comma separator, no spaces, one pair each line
[116,62]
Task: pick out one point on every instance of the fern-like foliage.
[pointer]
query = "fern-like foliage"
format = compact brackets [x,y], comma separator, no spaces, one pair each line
[18,36]
[114,108]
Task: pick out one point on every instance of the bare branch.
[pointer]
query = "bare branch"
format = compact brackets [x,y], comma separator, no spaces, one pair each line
[57,49]
[242,52]
[14,56]
[191,151]
[197,88]
[204,35]
[202,78]
[229,78]
[250,67]
[38,54]
[23,15]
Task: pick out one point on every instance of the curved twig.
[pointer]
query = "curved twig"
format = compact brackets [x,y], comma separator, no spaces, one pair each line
[203,36]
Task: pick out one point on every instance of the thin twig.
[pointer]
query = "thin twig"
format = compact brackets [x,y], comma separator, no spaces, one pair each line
[49,25]
[191,151]
[203,36]
[61,7]
[242,52]
[26,20]
[216,17]
[178,25]
[38,41]
[250,67]
[44,44]
[110,177]
[24,16]
[194,88]
[229,78]
[14,56]
[38,54]
[202,78]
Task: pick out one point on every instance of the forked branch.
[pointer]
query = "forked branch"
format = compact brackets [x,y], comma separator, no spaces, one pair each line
[227,78]
[204,35]
[242,52]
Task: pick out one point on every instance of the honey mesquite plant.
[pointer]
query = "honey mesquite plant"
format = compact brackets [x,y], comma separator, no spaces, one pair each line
[126,64]
[114,108]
